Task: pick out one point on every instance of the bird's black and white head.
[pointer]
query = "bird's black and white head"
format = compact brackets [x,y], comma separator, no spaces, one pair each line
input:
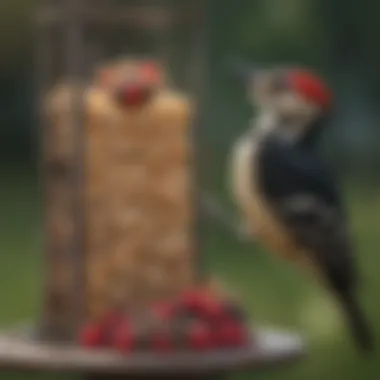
[296,100]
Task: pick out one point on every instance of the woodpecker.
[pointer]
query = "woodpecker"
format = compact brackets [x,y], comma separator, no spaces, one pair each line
[288,198]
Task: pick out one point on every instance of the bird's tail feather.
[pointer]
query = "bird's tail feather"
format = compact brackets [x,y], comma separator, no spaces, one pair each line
[357,322]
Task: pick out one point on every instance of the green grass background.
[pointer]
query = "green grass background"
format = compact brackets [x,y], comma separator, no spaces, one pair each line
[274,293]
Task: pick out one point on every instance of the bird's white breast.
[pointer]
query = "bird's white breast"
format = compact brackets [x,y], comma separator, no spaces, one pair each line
[243,171]
[244,180]
[258,217]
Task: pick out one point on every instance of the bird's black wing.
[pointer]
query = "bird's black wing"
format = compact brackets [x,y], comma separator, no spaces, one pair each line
[302,192]
[304,195]
[287,170]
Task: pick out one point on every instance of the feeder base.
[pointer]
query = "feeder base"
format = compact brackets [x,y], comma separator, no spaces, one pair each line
[20,349]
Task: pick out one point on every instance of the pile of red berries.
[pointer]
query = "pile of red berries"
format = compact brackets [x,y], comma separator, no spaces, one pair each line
[196,321]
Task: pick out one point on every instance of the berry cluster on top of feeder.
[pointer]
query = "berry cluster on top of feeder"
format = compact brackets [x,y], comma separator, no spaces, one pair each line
[197,320]
[133,82]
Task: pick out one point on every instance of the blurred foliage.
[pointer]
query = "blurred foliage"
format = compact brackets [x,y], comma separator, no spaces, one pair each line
[336,37]
[15,32]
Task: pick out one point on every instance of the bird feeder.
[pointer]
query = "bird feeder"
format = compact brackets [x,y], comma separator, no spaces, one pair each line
[121,93]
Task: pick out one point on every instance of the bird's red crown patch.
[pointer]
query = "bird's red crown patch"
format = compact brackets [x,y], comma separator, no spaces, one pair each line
[311,87]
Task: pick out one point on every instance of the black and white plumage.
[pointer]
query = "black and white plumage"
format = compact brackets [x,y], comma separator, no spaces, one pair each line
[289,200]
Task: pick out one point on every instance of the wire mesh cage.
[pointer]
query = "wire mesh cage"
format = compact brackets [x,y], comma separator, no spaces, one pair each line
[110,171]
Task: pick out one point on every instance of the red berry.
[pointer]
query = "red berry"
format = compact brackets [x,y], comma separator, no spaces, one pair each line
[112,319]
[109,325]
[123,337]
[133,94]
[211,308]
[111,322]
[163,311]
[161,342]
[191,300]
[91,336]
[197,302]
[231,335]
[150,73]
[200,337]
